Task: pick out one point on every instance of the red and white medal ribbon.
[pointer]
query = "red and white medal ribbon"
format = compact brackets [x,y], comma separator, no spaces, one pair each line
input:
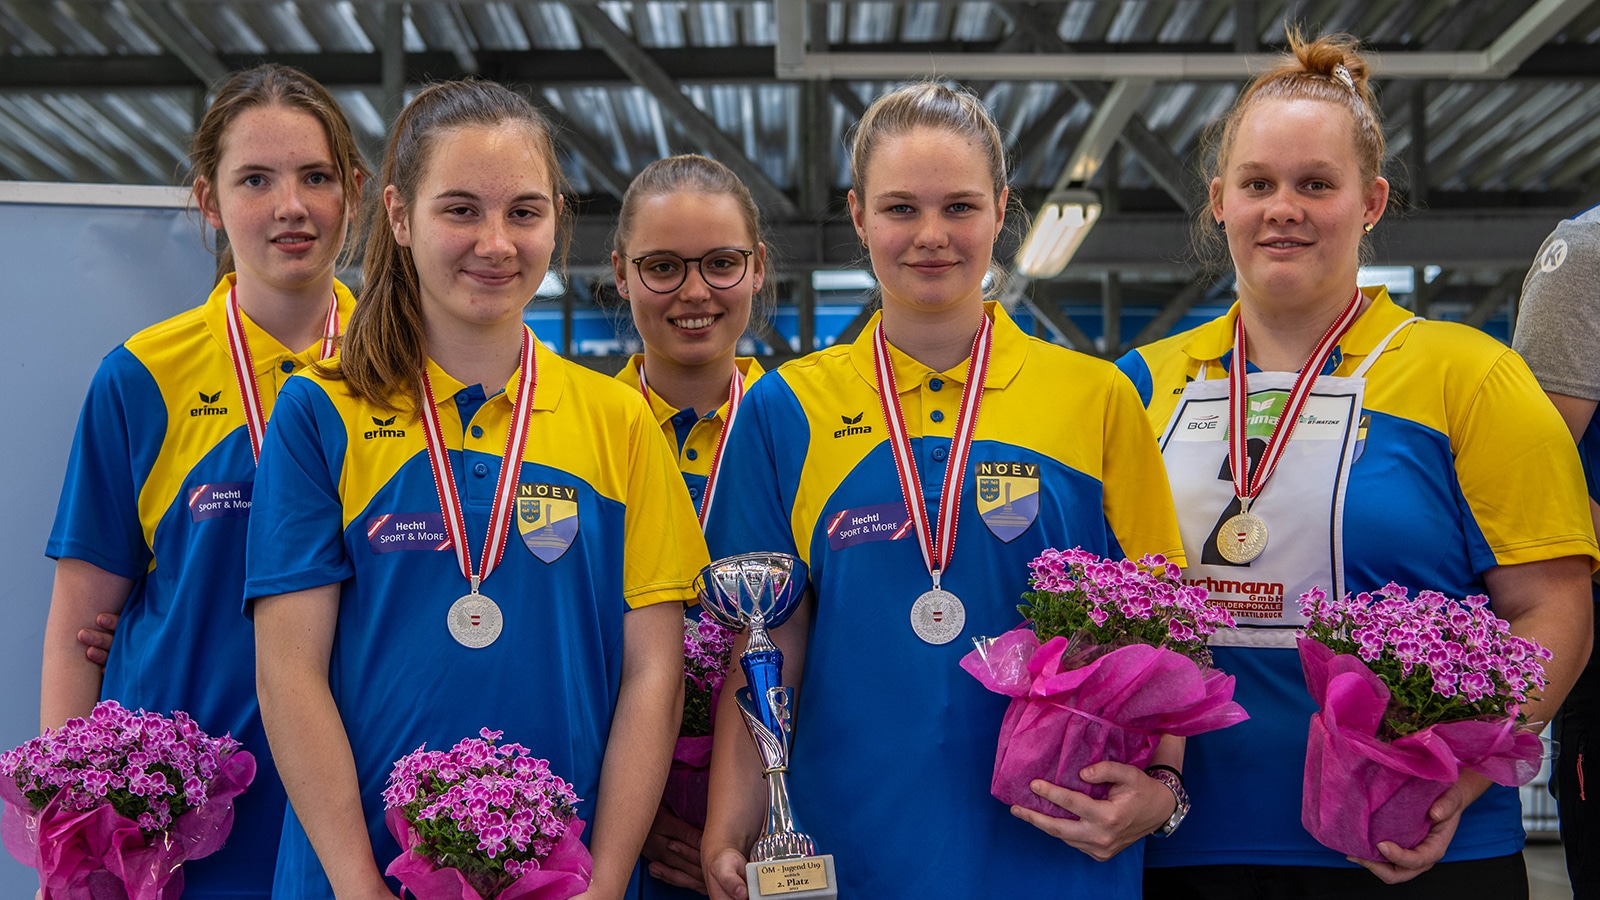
[936,549]
[444,479]
[1248,481]
[244,368]
[735,397]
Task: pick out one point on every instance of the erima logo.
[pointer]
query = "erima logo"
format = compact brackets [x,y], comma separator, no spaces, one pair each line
[852,425]
[1261,405]
[383,429]
[208,409]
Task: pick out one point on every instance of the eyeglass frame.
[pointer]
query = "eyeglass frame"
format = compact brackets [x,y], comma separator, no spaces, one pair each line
[638,266]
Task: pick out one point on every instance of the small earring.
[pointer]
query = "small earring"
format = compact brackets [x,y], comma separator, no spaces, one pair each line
[622,289]
[1221,225]
[1366,228]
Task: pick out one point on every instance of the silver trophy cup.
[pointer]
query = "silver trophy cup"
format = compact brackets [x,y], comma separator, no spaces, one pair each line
[759,591]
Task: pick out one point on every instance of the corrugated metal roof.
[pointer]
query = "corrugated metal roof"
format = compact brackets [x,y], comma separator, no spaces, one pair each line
[108,90]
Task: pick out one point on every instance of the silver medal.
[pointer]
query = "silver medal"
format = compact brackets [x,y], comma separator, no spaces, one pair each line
[938,616]
[475,621]
[1242,538]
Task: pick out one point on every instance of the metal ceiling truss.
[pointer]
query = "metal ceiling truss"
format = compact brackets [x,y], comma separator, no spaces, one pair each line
[1108,67]
[798,60]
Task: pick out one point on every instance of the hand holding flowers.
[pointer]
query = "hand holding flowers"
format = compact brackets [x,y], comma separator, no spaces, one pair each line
[1412,693]
[1115,658]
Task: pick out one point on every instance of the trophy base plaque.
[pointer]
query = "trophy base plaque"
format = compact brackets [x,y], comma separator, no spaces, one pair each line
[806,878]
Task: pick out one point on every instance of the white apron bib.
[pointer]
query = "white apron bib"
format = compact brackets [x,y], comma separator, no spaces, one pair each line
[1302,504]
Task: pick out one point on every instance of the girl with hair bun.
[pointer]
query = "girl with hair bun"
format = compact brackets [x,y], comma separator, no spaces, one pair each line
[1431,460]
[457,529]
[894,744]
[690,261]
[152,520]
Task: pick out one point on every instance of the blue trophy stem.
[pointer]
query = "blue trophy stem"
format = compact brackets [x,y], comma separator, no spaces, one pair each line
[763,669]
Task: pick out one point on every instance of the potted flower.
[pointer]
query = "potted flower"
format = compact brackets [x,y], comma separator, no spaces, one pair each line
[1411,692]
[707,651]
[113,804]
[480,822]
[1112,656]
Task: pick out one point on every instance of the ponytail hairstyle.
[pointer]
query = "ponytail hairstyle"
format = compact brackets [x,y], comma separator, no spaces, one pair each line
[1330,70]
[694,174]
[271,84]
[384,347]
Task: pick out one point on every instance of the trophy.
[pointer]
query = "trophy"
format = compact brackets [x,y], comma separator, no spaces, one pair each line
[761,591]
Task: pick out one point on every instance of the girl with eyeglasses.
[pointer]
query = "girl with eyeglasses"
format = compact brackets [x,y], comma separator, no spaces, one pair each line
[689,260]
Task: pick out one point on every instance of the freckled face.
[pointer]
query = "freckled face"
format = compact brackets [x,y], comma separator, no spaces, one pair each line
[278,198]
[482,227]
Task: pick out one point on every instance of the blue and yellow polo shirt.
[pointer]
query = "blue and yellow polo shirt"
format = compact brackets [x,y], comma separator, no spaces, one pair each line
[894,743]
[695,437]
[158,489]
[603,526]
[693,433]
[1462,465]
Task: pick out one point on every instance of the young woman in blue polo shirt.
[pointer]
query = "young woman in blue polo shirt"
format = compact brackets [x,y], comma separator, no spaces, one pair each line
[691,264]
[159,485]
[1382,448]
[456,529]
[866,461]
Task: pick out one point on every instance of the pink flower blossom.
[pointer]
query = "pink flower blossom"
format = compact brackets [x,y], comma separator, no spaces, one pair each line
[146,767]
[1442,659]
[1114,602]
[497,804]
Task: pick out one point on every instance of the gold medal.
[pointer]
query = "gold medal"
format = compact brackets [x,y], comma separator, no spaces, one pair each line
[1242,538]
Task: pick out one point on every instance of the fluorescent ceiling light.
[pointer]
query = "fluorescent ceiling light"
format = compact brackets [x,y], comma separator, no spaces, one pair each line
[1057,231]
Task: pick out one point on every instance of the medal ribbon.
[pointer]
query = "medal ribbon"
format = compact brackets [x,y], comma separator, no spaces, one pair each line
[936,552]
[735,397]
[444,479]
[244,368]
[1248,484]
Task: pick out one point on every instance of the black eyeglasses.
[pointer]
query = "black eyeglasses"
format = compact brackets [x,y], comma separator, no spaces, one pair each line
[666,272]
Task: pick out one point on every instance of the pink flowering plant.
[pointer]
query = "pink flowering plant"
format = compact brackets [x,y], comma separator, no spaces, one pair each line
[707,651]
[482,821]
[1105,604]
[1410,691]
[120,796]
[1443,660]
[1112,656]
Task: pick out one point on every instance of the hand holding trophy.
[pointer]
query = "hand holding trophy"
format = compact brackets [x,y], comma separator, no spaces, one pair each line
[761,591]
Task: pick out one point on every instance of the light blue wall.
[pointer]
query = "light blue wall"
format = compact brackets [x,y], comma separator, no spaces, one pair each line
[75,281]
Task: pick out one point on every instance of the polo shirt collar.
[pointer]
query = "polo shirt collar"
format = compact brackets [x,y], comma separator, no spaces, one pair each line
[1005,358]
[265,350]
[1214,340]
[550,373]
[663,411]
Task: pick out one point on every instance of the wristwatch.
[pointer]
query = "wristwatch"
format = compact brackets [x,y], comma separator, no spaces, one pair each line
[1174,782]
